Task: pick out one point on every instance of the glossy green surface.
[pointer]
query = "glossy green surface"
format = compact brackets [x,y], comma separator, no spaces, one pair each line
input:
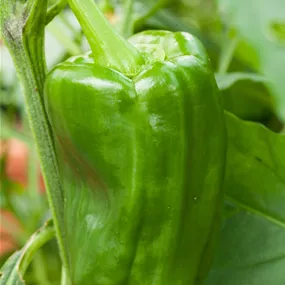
[142,159]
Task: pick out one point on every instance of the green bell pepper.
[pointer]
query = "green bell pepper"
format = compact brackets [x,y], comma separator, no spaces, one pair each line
[141,143]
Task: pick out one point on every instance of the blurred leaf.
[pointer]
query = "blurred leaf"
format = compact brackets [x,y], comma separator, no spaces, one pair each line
[260,24]
[64,36]
[245,95]
[252,247]
[10,93]
[227,80]
[8,132]
[202,14]
[146,9]
[165,19]
[15,267]
[278,31]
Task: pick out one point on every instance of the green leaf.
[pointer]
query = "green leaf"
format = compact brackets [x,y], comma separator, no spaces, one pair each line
[260,24]
[13,270]
[252,244]
[9,272]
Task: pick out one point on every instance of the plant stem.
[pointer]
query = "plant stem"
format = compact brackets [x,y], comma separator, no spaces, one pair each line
[55,9]
[33,175]
[108,47]
[36,241]
[128,23]
[23,31]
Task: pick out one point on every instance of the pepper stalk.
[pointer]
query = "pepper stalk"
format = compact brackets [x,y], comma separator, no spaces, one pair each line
[108,47]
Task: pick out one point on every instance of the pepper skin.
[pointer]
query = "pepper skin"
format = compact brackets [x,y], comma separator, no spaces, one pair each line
[142,158]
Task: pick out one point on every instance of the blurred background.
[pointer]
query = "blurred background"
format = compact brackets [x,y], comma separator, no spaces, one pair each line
[246,44]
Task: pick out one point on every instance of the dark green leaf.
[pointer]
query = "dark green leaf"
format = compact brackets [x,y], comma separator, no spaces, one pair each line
[252,245]
[246,96]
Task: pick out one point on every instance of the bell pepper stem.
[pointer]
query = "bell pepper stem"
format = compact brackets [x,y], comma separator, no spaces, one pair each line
[108,47]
